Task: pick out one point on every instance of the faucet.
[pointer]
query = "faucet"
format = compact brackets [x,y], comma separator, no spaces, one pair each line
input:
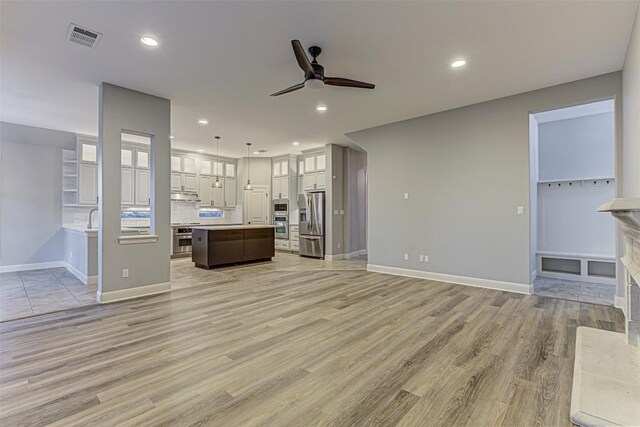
[89,226]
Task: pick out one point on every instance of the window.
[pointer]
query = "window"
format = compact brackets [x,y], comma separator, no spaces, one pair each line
[210,213]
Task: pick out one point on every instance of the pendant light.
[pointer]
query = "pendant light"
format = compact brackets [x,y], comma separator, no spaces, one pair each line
[248,186]
[217,183]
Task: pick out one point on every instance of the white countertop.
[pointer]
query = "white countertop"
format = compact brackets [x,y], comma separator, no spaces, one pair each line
[204,224]
[230,227]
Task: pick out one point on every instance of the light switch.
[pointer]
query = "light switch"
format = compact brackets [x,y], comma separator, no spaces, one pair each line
[520,210]
[335,211]
[341,211]
[406,195]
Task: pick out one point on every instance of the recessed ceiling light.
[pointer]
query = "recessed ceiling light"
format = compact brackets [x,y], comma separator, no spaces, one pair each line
[321,108]
[458,63]
[256,152]
[200,151]
[149,41]
[295,143]
[203,121]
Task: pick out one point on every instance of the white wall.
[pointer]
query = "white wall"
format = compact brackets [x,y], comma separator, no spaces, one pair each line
[355,202]
[31,194]
[577,148]
[631,112]
[466,172]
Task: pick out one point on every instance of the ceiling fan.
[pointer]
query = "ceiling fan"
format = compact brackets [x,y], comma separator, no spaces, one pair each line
[314,73]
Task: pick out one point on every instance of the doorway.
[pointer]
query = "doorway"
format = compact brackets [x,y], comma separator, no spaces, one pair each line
[572,174]
[257,205]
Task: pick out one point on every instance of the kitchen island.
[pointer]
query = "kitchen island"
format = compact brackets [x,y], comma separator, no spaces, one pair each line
[222,245]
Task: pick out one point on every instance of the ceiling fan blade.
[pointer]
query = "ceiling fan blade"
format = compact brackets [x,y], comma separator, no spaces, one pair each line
[339,81]
[303,59]
[289,89]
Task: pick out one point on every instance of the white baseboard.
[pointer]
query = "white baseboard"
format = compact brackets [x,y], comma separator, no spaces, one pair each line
[141,291]
[32,266]
[621,303]
[345,256]
[448,278]
[87,280]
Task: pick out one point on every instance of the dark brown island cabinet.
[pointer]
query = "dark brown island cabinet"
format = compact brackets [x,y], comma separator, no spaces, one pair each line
[221,245]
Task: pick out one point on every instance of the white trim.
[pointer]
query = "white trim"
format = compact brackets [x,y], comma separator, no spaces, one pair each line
[621,303]
[345,256]
[136,240]
[87,280]
[32,266]
[449,278]
[534,275]
[141,291]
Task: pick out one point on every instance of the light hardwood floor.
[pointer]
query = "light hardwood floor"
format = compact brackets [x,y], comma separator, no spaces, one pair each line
[283,346]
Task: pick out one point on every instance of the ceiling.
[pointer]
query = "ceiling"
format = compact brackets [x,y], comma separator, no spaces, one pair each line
[221,60]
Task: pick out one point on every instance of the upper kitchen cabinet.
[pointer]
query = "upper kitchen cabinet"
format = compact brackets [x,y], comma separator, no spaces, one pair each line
[230,191]
[230,170]
[189,183]
[176,182]
[127,186]
[143,187]
[87,149]
[126,157]
[280,167]
[87,184]
[206,167]
[189,165]
[315,164]
[142,159]
[176,164]
[204,191]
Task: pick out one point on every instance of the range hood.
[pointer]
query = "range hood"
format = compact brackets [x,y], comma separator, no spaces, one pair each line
[184,197]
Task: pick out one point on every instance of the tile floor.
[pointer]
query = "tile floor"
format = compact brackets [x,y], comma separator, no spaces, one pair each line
[595,293]
[26,293]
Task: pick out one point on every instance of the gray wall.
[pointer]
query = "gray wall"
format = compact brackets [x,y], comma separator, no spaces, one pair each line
[466,172]
[31,194]
[577,148]
[631,112]
[148,263]
[334,226]
[355,200]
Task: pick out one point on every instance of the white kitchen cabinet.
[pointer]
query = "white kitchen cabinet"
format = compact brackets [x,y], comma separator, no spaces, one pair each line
[189,182]
[276,169]
[280,187]
[87,184]
[142,159]
[176,164]
[217,197]
[126,186]
[126,157]
[88,153]
[280,168]
[204,190]
[301,167]
[230,170]
[309,164]
[189,165]
[314,181]
[205,167]
[176,182]
[143,187]
[321,160]
[218,169]
[229,192]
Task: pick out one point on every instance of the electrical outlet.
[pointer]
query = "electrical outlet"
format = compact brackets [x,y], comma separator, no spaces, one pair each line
[426,258]
[406,195]
[520,210]
[125,273]
[406,257]
[421,258]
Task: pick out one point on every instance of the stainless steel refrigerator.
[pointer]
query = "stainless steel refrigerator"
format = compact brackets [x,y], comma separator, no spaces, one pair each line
[311,208]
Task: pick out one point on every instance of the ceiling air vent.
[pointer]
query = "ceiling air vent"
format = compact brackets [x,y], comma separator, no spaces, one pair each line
[85,37]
